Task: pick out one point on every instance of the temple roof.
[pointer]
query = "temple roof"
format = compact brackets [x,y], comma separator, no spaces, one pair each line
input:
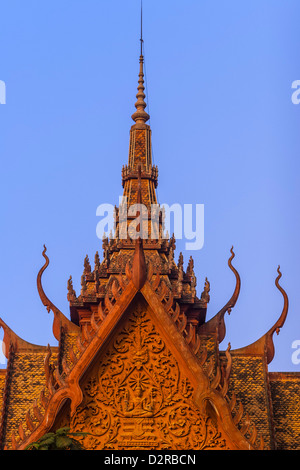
[138,271]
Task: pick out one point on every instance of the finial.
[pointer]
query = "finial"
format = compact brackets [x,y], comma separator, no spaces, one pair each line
[205,294]
[141,27]
[140,116]
[97,261]
[180,261]
[190,267]
[87,266]
[71,291]
[280,322]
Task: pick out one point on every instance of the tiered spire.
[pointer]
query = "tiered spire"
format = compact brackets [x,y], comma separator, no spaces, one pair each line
[140,148]
[140,116]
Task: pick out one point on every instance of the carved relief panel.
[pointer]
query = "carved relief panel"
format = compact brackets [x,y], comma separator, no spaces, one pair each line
[137,398]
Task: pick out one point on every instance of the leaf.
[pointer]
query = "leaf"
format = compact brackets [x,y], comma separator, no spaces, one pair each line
[63,442]
[62,431]
[59,440]
[47,441]
[76,445]
[45,436]
[33,446]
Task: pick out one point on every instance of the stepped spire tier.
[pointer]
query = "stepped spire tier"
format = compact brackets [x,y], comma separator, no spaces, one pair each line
[140,116]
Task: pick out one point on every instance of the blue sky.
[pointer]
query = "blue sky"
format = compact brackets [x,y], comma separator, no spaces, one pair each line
[225,134]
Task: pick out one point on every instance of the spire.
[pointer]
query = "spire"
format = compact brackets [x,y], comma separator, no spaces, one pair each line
[140,149]
[140,116]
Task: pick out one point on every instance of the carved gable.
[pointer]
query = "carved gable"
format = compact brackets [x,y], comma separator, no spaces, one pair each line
[136,397]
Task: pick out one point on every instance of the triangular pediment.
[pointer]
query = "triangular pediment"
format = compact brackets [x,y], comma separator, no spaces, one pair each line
[136,395]
[139,381]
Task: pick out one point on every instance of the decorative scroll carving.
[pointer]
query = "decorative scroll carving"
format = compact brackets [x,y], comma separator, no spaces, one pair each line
[136,397]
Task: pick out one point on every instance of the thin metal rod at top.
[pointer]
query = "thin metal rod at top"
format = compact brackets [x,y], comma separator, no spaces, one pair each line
[141,27]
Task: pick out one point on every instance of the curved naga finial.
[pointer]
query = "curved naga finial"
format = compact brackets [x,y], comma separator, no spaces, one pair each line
[48,304]
[231,303]
[280,322]
[217,322]
[59,317]
[264,345]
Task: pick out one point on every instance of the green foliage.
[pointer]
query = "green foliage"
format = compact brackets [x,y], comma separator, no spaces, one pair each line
[62,439]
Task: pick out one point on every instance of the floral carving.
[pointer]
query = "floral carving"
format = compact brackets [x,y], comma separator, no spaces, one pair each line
[137,398]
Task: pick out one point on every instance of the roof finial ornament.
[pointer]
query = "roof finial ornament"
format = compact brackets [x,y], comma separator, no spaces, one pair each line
[140,116]
[141,27]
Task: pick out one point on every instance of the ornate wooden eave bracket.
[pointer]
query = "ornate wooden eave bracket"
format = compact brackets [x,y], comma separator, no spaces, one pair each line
[60,320]
[265,344]
[217,323]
